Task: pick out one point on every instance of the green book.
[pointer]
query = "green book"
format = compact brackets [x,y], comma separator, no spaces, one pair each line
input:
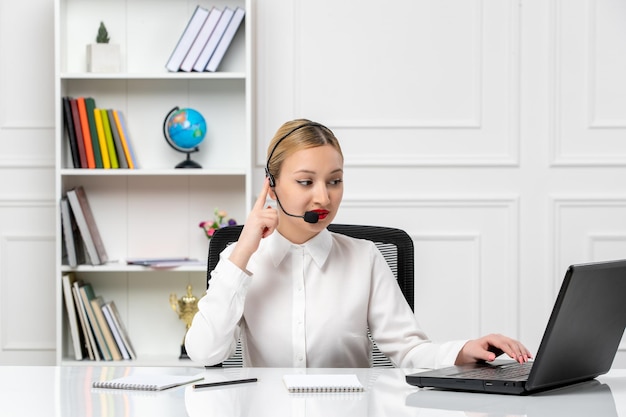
[90,104]
[87,294]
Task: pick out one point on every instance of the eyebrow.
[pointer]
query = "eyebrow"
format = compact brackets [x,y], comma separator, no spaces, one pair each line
[306,171]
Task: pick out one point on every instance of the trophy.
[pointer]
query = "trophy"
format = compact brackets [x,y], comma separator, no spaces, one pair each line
[186,307]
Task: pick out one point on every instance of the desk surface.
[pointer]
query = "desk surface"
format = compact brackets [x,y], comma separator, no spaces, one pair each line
[66,391]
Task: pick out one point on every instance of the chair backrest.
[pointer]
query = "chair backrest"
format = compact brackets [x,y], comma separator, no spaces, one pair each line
[395,245]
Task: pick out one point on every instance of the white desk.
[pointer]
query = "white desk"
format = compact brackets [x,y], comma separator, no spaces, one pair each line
[66,391]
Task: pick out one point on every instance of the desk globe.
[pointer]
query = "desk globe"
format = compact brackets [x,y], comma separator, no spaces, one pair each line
[184,129]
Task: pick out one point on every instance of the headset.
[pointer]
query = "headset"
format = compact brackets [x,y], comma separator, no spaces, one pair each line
[309,216]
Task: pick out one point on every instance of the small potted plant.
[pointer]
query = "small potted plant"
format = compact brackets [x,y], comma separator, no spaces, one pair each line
[218,222]
[103,56]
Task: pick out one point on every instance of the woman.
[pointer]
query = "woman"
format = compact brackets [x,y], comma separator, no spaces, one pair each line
[300,296]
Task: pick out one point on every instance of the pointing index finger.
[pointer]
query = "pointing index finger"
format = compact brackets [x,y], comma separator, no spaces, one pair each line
[260,201]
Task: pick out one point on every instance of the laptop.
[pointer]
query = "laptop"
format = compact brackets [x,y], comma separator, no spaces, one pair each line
[579,343]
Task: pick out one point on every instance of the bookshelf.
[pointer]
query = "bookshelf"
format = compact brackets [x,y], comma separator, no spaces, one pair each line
[154,210]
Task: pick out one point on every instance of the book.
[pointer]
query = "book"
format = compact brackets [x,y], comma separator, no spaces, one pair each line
[119,148]
[214,40]
[147,382]
[226,39]
[68,233]
[106,126]
[87,225]
[71,235]
[203,37]
[126,137]
[121,131]
[190,33]
[297,383]
[78,131]
[71,134]
[87,294]
[119,330]
[84,124]
[96,304]
[81,222]
[90,105]
[160,261]
[89,339]
[72,315]
[102,141]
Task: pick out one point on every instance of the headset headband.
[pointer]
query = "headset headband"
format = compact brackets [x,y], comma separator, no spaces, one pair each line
[267,164]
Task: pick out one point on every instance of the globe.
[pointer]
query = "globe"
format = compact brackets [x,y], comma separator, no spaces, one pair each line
[184,129]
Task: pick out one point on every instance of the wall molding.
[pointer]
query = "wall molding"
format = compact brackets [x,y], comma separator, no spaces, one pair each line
[21,162]
[558,203]
[8,344]
[558,157]
[509,203]
[474,274]
[505,142]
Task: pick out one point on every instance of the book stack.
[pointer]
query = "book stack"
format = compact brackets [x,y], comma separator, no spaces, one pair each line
[205,40]
[98,138]
[97,330]
[81,237]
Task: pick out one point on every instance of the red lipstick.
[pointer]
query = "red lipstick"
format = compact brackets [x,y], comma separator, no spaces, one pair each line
[321,213]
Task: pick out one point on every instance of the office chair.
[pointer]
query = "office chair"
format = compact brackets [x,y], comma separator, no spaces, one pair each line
[395,245]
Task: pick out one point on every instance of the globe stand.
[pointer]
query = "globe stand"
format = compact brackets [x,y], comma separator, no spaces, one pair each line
[188,163]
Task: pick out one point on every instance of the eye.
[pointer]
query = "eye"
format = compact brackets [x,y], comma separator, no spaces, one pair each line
[305,182]
[335,181]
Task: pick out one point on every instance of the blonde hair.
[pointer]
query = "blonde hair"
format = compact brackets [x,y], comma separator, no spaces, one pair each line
[296,135]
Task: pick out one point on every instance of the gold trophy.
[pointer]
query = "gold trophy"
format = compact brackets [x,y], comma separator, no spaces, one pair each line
[186,308]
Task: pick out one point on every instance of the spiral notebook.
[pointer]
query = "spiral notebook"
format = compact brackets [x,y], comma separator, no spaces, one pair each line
[323,383]
[147,382]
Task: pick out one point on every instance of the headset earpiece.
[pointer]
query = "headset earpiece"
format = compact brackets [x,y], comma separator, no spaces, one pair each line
[270,177]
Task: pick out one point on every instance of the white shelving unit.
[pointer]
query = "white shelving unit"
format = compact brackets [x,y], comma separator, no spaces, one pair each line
[152,211]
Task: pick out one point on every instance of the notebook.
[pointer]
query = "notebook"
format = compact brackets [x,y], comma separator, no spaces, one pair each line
[147,382]
[322,383]
[579,342]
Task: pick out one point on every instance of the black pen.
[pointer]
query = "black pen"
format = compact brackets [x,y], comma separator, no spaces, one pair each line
[219,384]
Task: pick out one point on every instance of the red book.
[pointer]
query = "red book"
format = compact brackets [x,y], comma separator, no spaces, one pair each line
[84,124]
[80,143]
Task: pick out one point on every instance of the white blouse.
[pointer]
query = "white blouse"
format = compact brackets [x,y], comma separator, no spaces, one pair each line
[310,305]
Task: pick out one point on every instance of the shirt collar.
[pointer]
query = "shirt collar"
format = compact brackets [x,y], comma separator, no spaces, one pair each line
[318,247]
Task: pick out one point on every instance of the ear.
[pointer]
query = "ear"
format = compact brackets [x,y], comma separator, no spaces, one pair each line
[272,194]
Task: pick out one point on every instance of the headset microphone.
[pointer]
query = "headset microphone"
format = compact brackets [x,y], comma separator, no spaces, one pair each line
[309,216]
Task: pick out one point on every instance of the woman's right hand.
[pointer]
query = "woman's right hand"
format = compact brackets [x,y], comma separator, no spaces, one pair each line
[261,222]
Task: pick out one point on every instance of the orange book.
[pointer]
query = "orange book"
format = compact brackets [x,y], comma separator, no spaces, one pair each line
[84,124]
[124,140]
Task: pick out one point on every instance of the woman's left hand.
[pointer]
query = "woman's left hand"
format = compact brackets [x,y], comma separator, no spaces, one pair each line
[489,347]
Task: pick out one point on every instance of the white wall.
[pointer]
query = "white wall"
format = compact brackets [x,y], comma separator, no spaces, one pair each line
[27,203]
[492,131]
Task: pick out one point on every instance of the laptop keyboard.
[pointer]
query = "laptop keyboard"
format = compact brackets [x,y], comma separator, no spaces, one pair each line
[513,371]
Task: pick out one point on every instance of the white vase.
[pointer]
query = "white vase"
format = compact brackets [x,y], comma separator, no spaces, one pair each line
[103,57]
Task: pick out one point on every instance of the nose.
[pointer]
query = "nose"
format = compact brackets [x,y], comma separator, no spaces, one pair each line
[321,195]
